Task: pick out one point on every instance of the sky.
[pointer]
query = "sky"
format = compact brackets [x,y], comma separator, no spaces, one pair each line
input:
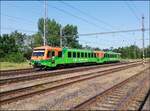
[88,16]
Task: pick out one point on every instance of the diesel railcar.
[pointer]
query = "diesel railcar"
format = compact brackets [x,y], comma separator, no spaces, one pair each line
[46,56]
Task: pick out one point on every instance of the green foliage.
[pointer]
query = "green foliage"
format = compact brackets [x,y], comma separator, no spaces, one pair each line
[12,46]
[14,57]
[7,45]
[132,52]
[147,52]
[53,34]
[16,47]
[37,40]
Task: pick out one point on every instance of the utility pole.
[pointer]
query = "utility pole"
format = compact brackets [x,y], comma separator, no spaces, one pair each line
[61,37]
[143,36]
[45,17]
[135,50]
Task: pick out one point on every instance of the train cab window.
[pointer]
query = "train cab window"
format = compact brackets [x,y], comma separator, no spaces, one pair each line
[69,54]
[85,55]
[74,54]
[49,54]
[78,54]
[81,54]
[60,54]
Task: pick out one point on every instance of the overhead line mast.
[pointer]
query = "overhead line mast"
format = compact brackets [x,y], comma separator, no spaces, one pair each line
[45,17]
[143,29]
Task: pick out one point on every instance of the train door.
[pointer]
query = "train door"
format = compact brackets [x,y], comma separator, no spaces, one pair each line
[53,56]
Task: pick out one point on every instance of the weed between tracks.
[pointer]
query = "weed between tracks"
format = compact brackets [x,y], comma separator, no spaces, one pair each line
[10,66]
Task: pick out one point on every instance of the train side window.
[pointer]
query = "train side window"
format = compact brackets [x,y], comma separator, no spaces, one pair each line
[53,53]
[74,54]
[78,54]
[82,54]
[85,55]
[94,54]
[106,55]
[60,54]
[88,55]
[49,54]
[69,54]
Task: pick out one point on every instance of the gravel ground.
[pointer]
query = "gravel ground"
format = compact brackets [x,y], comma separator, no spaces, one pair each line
[67,97]
[48,79]
[147,104]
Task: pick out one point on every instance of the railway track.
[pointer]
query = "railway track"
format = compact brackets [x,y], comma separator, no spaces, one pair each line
[127,95]
[16,71]
[5,73]
[26,77]
[21,93]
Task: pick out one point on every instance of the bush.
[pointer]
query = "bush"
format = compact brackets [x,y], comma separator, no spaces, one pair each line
[14,57]
[27,54]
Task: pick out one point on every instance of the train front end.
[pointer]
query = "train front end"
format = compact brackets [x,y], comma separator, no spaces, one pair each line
[39,57]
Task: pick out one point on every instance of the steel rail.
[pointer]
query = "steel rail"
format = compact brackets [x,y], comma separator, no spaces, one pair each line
[75,79]
[107,92]
[45,74]
[29,70]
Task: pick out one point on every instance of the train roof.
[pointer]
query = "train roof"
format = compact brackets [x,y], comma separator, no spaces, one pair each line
[83,50]
[48,47]
[72,49]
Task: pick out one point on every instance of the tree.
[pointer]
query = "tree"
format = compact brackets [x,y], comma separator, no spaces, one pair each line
[37,40]
[52,31]
[12,46]
[70,34]
[53,34]
[131,52]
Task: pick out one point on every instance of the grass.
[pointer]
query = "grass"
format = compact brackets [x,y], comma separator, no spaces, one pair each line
[10,66]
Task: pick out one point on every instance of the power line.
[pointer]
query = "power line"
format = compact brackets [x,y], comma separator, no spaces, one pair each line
[121,31]
[16,6]
[18,18]
[132,10]
[86,34]
[78,17]
[11,28]
[135,7]
[87,14]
